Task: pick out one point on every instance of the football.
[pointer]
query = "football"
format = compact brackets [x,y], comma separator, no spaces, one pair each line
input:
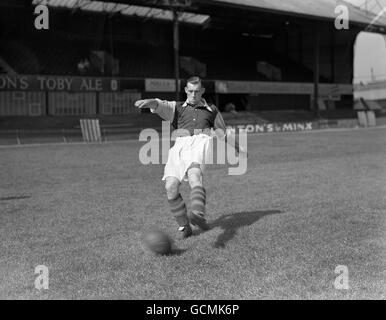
[158,242]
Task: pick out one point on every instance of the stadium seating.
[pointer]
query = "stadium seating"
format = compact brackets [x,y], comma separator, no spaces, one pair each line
[59,54]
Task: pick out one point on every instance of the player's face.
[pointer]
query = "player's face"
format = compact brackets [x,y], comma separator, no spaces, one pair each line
[194,92]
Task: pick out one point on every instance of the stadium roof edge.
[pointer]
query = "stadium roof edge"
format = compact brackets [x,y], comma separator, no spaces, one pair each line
[317,9]
[309,8]
[129,9]
[322,9]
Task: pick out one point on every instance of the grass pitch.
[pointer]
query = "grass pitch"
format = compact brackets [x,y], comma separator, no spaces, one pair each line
[308,203]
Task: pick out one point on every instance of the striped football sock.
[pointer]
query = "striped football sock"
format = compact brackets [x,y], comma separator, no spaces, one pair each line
[178,208]
[198,199]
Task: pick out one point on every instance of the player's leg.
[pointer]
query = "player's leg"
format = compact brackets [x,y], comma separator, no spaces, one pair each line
[197,197]
[177,206]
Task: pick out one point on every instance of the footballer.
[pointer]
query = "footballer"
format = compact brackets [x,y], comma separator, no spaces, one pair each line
[193,121]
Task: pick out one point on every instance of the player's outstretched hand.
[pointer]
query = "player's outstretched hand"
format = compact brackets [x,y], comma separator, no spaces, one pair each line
[146,103]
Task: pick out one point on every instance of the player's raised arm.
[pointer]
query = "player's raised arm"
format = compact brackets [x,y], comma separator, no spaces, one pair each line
[165,109]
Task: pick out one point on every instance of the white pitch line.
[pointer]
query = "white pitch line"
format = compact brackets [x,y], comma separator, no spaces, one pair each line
[132,140]
[75,143]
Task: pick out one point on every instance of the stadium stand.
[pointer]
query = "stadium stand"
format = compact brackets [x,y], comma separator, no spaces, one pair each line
[138,48]
[27,58]
[60,57]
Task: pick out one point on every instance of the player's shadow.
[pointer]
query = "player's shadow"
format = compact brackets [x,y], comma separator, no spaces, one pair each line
[176,251]
[229,223]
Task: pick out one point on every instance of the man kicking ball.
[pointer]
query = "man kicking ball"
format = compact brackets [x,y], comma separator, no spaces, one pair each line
[194,120]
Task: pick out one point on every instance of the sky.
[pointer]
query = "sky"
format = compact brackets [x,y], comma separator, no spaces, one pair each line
[370,49]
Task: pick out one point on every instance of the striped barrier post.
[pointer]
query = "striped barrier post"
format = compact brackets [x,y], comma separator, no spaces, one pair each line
[362,118]
[367,118]
[371,119]
[91,131]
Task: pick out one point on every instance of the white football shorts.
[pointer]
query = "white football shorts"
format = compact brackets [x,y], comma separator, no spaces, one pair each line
[186,151]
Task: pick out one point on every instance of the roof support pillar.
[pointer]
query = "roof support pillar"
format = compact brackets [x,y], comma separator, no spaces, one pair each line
[176,48]
[316,70]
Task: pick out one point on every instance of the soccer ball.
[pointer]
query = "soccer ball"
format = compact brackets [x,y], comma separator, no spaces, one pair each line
[158,242]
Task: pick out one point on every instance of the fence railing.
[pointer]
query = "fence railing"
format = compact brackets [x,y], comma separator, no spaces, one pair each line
[25,136]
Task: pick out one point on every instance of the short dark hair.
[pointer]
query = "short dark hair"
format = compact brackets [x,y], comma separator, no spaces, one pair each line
[194,80]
